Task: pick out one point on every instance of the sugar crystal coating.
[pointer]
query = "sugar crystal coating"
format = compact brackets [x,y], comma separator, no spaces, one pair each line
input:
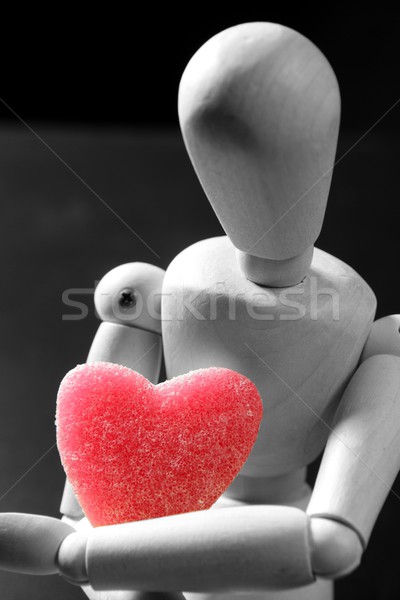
[133,451]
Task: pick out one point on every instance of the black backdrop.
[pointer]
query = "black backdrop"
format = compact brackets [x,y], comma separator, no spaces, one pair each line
[115,67]
[99,90]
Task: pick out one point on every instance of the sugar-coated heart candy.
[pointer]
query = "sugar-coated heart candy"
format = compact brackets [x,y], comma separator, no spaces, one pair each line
[133,450]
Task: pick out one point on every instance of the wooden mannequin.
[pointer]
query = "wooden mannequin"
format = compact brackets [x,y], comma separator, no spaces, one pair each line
[259,110]
[128,300]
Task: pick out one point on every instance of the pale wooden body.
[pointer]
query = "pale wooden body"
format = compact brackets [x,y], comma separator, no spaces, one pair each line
[193,551]
[135,348]
[29,543]
[299,365]
[145,281]
[259,109]
[285,491]
[361,459]
[262,133]
[384,337]
[132,338]
[257,547]
[185,552]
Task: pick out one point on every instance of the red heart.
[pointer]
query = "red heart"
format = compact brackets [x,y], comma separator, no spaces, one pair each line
[132,450]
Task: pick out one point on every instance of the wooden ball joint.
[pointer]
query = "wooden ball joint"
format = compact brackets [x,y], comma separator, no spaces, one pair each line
[259,111]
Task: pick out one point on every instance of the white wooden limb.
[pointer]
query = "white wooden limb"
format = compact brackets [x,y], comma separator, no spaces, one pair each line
[246,548]
[362,457]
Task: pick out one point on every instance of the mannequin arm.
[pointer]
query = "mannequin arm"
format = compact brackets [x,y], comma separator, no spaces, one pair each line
[234,549]
[127,299]
[266,547]
[362,457]
[245,548]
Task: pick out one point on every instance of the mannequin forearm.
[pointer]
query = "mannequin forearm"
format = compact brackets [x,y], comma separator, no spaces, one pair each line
[246,548]
[362,457]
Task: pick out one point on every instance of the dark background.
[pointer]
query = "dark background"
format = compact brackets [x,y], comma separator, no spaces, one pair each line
[113,67]
[99,91]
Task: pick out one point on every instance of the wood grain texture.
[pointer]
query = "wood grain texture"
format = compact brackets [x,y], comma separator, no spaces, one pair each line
[29,543]
[130,595]
[362,457]
[246,548]
[300,345]
[128,346]
[130,294]
[275,273]
[259,110]
[384,337]
[336,548]
[67,238]
[71,558]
